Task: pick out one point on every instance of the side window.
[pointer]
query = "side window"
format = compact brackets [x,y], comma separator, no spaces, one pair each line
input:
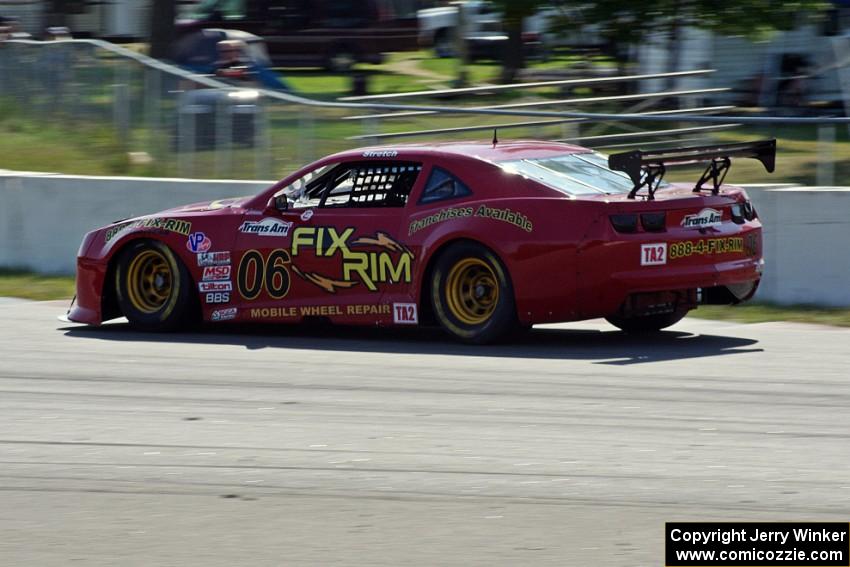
[443,185]
[371,184]
[306,191]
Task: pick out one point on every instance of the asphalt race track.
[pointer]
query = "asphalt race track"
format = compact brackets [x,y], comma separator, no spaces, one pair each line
[292,446]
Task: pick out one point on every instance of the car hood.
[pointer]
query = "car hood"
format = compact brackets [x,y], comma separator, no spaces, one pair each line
[218,204]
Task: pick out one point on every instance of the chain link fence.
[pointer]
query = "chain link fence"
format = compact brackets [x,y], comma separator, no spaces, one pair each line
[173,123]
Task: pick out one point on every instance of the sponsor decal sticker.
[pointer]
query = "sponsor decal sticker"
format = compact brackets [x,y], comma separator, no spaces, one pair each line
[218,297]
[405,314]
[505,215]
[266,227]
[307,215]
[319,311]
[380,153]
[391,263]
[198,242]
[706,247]
[224,314]
[214,259]
[168,225]
[206,287]
[704,219]
[653,254]
[216,273]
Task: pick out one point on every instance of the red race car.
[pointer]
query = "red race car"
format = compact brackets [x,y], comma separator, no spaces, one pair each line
[481,238]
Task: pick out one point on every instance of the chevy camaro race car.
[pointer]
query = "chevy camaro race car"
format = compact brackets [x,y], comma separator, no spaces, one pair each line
[480,238]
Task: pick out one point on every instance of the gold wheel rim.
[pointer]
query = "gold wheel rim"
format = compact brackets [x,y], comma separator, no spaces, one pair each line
[472,291]
[149,281]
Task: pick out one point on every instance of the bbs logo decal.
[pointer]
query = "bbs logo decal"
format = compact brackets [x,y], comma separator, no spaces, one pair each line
[216,273]
[704,219]
[213,259]
[198,242]
[206,287]
[266,227]
[217,297]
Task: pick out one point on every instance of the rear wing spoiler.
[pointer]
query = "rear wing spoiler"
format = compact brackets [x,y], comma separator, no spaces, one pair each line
[646,169]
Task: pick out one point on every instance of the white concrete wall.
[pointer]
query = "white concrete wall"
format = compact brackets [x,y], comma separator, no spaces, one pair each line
[806,244]
[43,218]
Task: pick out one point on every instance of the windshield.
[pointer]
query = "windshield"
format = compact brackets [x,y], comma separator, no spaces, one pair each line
[574,174]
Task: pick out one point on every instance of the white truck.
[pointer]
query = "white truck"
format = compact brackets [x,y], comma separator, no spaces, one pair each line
[484,35]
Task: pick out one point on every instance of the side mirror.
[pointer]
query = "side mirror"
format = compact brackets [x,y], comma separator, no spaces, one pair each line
[278,203]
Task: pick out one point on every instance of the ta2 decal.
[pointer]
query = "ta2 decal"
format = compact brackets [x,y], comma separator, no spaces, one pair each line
[653,254]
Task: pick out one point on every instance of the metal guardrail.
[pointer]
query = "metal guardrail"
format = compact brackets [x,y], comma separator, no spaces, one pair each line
[154,106]
[531,85]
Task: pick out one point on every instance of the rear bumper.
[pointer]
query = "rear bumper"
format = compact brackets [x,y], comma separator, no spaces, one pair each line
[739,273]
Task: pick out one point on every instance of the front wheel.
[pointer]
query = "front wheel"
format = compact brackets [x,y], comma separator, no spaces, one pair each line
[471,294]
[153,287]
[647,323]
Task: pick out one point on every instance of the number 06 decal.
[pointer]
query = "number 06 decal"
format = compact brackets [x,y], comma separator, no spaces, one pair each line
[256,273]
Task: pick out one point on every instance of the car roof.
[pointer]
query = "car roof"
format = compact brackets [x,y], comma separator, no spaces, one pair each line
[487,151]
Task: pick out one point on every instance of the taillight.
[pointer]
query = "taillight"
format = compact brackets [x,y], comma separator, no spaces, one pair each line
[749,211]
[737,213]
[653,222]
[624,223]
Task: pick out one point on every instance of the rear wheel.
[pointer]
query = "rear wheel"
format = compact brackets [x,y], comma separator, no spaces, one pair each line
[153,287]
[471,294]
[647,323]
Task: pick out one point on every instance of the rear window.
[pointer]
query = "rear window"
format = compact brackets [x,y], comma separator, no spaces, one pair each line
[574,174]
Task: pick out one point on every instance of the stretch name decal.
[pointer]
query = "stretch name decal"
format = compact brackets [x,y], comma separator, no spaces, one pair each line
[706,247]
[168,225]
[504,215]
[380,153]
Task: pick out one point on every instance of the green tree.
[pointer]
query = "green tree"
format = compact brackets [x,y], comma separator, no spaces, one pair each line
[514,13]
[623,24]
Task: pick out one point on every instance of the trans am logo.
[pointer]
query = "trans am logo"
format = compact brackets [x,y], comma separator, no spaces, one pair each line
[705,219]
[266,227]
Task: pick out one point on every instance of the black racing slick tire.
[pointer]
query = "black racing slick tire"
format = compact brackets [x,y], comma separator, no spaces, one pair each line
[153,287]
[645,324]
[471,294]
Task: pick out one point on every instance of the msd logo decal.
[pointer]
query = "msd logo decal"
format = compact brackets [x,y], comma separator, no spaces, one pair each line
[705,219]
[216,273]
[653,254]
[198,242]
[266,227]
